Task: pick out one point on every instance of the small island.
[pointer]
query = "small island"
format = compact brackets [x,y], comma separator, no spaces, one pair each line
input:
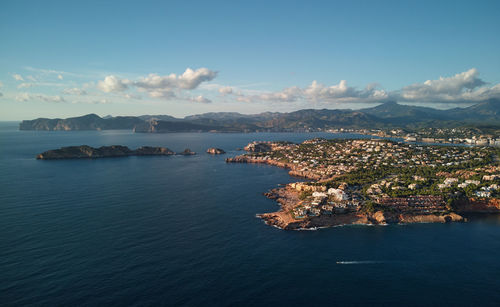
[376,181]
[88,152]
[215,151]
[187,152]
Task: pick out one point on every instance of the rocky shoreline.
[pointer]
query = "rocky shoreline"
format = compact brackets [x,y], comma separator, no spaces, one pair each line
[292,171]
[288,198]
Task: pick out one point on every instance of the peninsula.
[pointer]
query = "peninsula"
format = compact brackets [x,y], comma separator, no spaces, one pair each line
[377,181]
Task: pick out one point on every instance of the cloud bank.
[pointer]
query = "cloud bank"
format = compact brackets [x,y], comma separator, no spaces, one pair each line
[458,88]
[461,88]
[75,91]
[317,92]
[192,86]
[41,97]
[158,86]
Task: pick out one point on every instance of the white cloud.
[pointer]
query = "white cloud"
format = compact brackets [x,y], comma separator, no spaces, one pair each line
[113,84]
[101,101]
[18,77]
[288,94]
[131,96]
[226,90]
[1,84]
[75,91]
[341,91]
[42,97]
[52,71]
[462,87]
[25,85]
[165,94]
[189,80]
[201,99]
[318,92]
[458,88]
[28,85]
[159,86]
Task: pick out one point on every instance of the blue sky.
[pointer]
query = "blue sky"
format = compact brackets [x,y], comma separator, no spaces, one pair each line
[63,58]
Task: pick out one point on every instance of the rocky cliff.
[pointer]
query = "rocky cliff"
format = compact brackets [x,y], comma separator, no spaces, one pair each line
[479,205]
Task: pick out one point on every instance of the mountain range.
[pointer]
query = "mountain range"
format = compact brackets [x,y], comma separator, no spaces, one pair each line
[386,115]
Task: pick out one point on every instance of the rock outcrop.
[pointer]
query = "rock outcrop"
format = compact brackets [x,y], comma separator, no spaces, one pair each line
[215,151]
[291,166]
[258,147]
[88,152]
[479,205]
[153,151]
[187,152]
[431,218]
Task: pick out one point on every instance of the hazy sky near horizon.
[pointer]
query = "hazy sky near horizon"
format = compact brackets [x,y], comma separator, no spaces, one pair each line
[68,58]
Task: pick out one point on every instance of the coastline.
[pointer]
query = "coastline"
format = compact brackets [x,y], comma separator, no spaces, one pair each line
[290,166]
[288,198]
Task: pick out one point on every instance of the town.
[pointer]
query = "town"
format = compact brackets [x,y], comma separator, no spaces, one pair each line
[368,175]
[458,135]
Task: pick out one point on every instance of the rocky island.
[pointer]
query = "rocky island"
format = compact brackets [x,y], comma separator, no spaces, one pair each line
[187,152]
[88,152]
[215,151]
[377,182]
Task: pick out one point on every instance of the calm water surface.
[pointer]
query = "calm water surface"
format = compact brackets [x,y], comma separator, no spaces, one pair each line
[182,231]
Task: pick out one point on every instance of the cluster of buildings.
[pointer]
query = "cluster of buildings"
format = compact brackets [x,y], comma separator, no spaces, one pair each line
[461,135]
[415,204]
[447,168]
[474,140]
[483,186]
[326,159]
[325,202]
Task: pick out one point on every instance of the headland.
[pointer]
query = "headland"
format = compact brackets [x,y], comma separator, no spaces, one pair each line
[377,182]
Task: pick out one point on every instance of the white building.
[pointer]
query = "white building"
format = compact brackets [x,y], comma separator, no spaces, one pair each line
[338,194]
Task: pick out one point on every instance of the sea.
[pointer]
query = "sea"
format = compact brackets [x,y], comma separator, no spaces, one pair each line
[183,231]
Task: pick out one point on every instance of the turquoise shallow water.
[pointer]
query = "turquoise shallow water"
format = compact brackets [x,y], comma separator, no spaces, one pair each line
[182,231]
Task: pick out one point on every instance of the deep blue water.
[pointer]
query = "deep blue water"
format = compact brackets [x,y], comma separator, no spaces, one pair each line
[182,231]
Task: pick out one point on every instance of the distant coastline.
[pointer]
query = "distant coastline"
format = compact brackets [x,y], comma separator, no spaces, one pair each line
[478,124]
